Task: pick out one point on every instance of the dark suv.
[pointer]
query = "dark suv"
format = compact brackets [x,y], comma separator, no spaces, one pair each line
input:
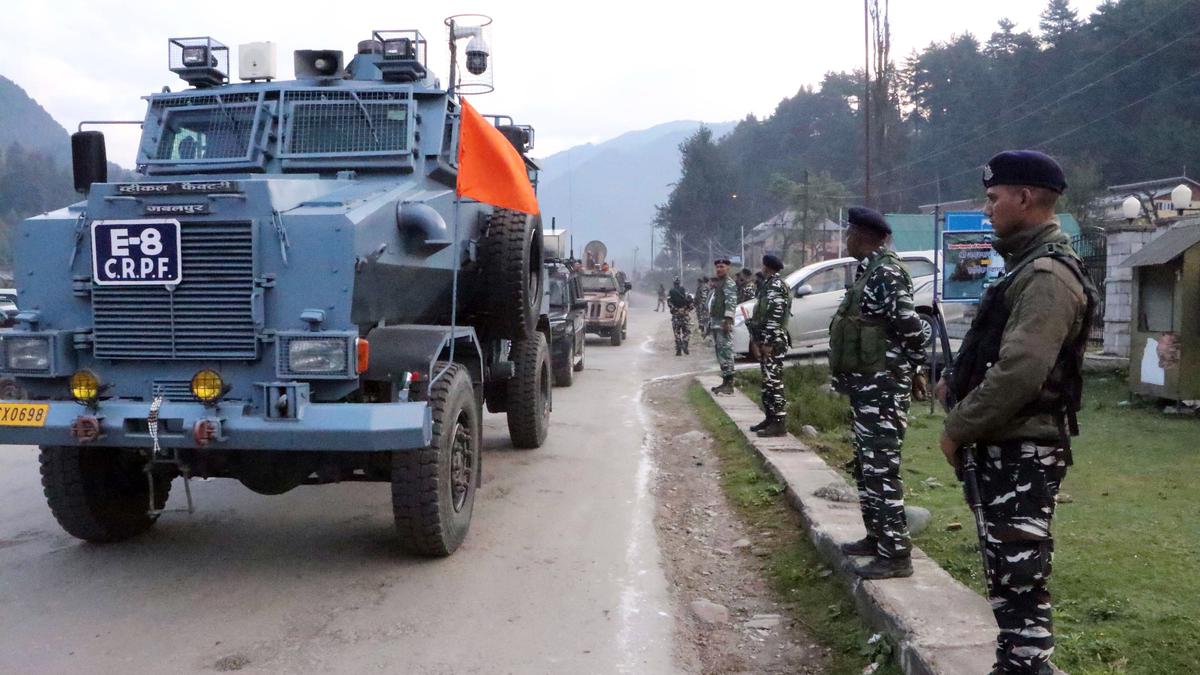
[568,322]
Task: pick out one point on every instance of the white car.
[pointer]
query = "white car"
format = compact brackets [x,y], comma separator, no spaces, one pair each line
[818,289]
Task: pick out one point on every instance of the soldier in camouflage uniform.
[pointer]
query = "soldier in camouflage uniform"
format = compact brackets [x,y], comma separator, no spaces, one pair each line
[680,304]
[722,304]
[745,286]
[1018,381]
[769,331]
[703,291]
[876,355]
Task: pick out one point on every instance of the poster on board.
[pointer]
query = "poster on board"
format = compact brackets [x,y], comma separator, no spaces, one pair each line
[969,265]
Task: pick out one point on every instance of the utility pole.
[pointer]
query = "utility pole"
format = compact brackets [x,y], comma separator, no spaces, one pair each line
[804,225]
[652,254]
[867,100]
[710,253]
[635,252]
[679,250]
[742,241]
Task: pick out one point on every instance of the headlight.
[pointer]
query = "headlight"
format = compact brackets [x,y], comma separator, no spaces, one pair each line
[85,387]
[207,386]
[27,353]
[610,307]
[321,356]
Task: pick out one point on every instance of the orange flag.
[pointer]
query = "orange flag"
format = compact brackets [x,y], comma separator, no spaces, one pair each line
[489,168]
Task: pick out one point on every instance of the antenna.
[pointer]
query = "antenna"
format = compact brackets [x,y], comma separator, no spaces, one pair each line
[553,223]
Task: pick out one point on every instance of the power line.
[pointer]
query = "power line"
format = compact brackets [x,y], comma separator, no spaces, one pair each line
[1031,113]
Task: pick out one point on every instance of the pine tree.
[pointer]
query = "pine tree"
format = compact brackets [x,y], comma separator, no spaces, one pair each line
[1058,21]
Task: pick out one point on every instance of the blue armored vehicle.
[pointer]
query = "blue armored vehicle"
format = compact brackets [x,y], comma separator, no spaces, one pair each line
[290,293]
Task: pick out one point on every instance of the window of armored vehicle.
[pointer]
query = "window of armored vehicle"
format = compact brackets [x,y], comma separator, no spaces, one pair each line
[559,292]
[598,283]
[206,133]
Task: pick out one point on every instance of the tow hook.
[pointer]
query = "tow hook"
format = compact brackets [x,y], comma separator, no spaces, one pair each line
[86,429]
[205,431]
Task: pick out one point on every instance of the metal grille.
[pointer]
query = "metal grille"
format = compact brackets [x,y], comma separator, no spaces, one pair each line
[335,123]
[218,132]
[173,390]
[1092,247]
[209,316]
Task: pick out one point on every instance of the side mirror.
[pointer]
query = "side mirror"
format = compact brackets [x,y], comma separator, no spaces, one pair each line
[803,290]
[628,286]
[580,305]
[88,159]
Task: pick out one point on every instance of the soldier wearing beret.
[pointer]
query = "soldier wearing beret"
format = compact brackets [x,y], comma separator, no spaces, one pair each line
[1018,383]
[722,303]
[770,320]
[876,355]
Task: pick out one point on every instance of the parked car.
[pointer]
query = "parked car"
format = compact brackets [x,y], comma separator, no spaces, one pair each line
[568,323]
[817,290]
[8,307]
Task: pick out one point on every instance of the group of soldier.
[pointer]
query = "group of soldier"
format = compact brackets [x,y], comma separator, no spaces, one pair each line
[1011,393]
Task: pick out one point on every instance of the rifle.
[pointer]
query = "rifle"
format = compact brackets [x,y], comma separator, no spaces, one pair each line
[968,471]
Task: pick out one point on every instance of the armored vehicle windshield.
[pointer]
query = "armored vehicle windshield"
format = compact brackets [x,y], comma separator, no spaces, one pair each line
[599,283]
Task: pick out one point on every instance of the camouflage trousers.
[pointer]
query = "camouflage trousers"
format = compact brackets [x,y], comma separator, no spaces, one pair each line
[774,403]
[723,346]
[1018,482]
[682,329]
[879,405]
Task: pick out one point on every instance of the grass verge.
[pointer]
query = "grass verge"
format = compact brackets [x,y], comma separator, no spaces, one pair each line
[1127,535]
[796,570]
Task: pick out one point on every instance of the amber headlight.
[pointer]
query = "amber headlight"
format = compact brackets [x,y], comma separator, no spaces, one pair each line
[207,386]
[85,386]
[26,354]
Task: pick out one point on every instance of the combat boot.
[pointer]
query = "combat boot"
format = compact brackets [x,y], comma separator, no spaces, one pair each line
[678,350]
[886,568]
[775,427]
[868,545]
[726,387]
[685,350]
[762,424]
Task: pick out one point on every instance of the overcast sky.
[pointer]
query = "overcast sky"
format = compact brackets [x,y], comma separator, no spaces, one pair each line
[578,72]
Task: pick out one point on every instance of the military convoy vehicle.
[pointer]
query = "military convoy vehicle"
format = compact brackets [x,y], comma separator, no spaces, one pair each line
[568,325]
[605,287]
[290,294]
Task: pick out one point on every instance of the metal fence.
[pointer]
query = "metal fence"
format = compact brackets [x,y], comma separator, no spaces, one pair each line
[1092,247]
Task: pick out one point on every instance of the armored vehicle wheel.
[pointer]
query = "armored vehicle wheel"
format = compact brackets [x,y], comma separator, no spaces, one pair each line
[564,373]
[616,336]
[511,260]
[100,494]
[625,328]
[529,393]
[579,364]
[433,489]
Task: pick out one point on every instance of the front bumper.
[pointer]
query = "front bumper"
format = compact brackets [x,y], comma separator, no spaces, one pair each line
[338,427]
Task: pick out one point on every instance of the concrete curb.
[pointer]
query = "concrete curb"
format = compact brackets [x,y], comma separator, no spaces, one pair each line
[941,626]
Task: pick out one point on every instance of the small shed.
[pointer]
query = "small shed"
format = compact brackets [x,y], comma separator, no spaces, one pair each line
[1164,355]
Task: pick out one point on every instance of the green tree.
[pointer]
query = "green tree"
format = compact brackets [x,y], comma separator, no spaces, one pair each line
[815,199]
[1058,21]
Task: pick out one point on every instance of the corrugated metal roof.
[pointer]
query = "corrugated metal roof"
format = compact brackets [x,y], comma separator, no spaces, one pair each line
[1167,247]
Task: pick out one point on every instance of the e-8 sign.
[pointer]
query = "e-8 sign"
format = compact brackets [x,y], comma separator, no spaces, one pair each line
[136,252]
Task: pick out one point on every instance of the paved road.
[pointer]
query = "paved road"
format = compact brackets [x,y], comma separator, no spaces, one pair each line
[560,573]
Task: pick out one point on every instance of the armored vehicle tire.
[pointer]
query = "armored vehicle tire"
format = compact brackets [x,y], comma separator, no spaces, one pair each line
[616,336]
[578,366]
[433,488]
[529,393]
[511,260]
[100,494]
[564,373]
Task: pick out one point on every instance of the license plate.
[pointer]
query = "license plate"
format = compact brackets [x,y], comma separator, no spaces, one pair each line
[136,252]
[23,414]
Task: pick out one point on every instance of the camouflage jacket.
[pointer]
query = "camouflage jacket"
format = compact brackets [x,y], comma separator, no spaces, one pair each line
[771,313]
[1047,307]
[888,297]
[722,301]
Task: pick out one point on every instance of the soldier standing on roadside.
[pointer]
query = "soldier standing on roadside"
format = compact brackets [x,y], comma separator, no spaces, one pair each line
[876,355]
[701,297]
[745,286]
[681,308]
[662,298]
[1018,381]
[770,328]
[722,304]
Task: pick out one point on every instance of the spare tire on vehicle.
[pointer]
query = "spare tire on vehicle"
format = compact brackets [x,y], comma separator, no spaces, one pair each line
[510,260]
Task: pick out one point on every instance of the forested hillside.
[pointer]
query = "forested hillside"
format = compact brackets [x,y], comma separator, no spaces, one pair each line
[1113,96]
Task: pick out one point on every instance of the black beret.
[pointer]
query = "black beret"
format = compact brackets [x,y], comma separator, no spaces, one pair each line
[772,262]
[1024,167]
[868,218]
[726,261]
